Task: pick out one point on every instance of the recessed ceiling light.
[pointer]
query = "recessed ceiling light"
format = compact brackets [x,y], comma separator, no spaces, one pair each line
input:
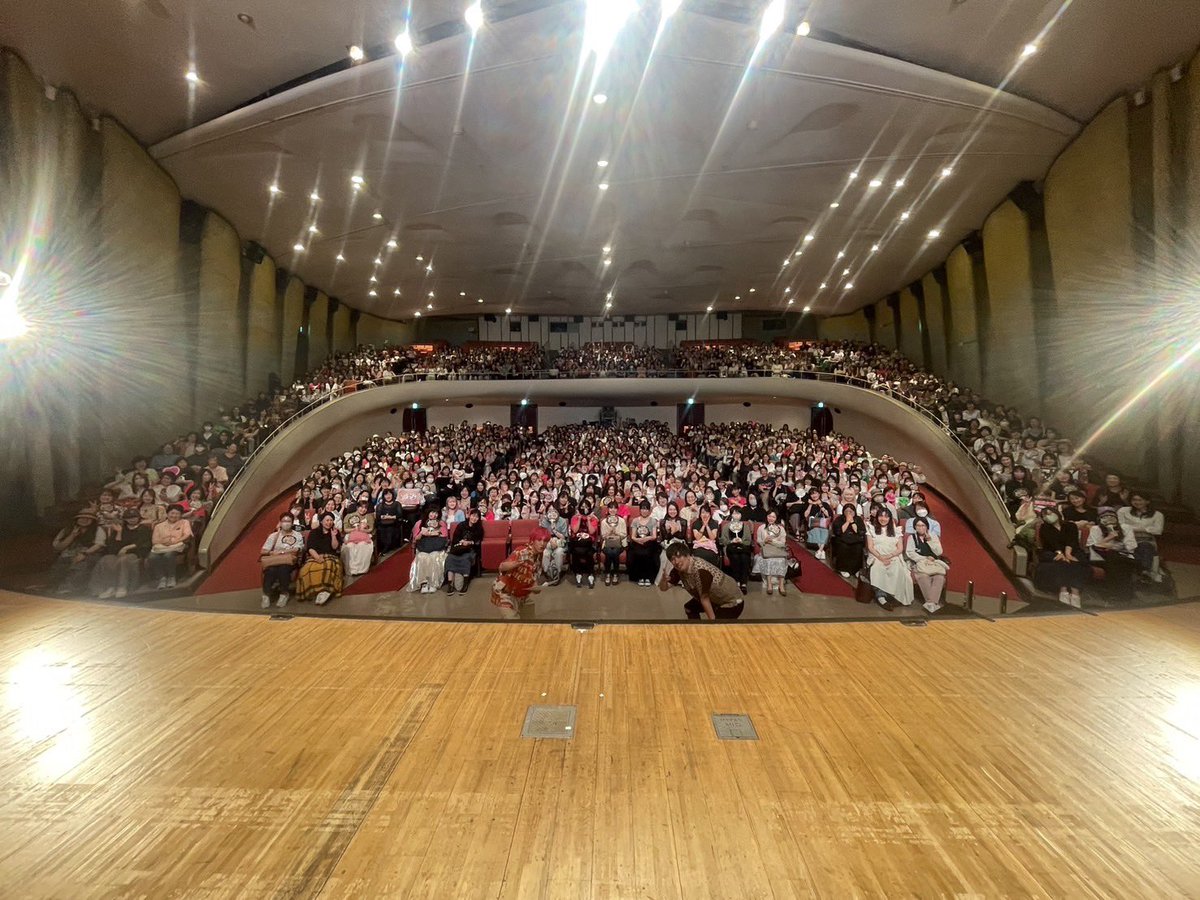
[379,260]
[373,279]
[508,310]
[372,293]
[192,76]
[834,205]
[396,292]
[474,16]
[850,287]
[393,244]
[603,185]
[431,293]
[854,175]
[608,262]
[274,189]
[462,293]
[947,171]
[429,268]
[803,29]
[738,297]
[1028,50]
[312,229]
[874,248]
[790,302]
[299,248]
[787,290]
[934,233]
[420,259]
[599,99]
[404,43]
[841,254]
[314,197]
[377,215]
[752,290]
[480,299]
[900,182]
[356,53]
[904,216]
[340,258]
[808,309]
[845,272]
[823,285]
[709,309]
[607,248]
[875,182]
[429,306]
[809,238]
[602,163]
[357,179]
[418,314]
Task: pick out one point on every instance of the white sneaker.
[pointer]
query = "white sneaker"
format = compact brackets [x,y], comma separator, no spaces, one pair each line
[844,574]
[282,601]
[322,598]
[932,607]
[266,602]
[162,583]
[170,582]
[1064,596]
[578,581]
[120,594]
[106,593]
[820,554]
[591,581]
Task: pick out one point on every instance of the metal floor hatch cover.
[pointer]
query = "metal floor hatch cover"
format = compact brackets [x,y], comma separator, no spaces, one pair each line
[556,722]
[734,727]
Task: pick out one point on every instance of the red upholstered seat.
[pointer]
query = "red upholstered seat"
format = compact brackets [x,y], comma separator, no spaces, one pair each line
[521,529]
[494,547]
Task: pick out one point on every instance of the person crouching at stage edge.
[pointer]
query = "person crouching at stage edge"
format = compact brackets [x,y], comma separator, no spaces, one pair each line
[518,575]
[714,594]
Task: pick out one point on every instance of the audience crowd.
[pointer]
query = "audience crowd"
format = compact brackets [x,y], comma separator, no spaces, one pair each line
[604,359]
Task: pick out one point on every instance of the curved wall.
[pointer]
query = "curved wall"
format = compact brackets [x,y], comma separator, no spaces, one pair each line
[883,425]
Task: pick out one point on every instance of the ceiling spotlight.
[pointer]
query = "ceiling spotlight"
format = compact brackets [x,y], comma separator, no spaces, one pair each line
[605,19]
[602,163]
[340,258]
[379,260]
[404,43]
[841,254]
[608,296]
[608,262]
[854,175]
[904,216]
[752,290]
[508,310]
[808,309]
[357,180]
[372,293]
[809,238]
[312,229]
[834,205]
[373,279]
[823,285]
[738,297]
[462,293]
[480,299]
[934,234]
[418,314]
[875,182]
[429,306]
[429,268]
[377,216]
[356,53]
[420,259]
[668,8]
[708,309]
[431,293]
[396,292]
[772,19]
[803,29]
[607,248]
[1028,50]
[393,244]
[874,248]
[790,302]
[192,76]
[947,171]
[900,182]
[314,197]
[603,185]
[845,272]
[599,98]
[849,287]
[787,290]
[275,189]
[299,248]
[474,16]
[608,305]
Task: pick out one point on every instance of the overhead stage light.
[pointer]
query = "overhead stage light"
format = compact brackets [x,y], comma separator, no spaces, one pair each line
[404,43]
[474,16]
[356,53]
[600,98]
[772,19]
[803,29]
[605,19]
[668,8]
[12,323]
[1028,50]
[192,76]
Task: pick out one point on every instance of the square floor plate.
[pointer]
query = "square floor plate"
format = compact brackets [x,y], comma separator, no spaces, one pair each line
[734,727]
[556,722]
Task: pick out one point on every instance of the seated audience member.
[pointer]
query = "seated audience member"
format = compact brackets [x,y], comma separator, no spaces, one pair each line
[231,461]
[1076,510]
[166,456]
[358,546]
[322,576]
[714,595]
[773,555]
[169,539]
[281,553]
[151,511]
[430,539]
[78,547]
[584,543]
[388,528]
[108,513]
[614,535]
[849,541]
[889,575]
[103,582]
[921,511]
[1113,495]
[1146,524]
[672,526]
[738,544]
[517,579]
[817,515]
[555,553]
[641,554]
[706,531]
[219,473]
[462,552]
[1113,546]
[1060,560]
[168,489]
[929,568]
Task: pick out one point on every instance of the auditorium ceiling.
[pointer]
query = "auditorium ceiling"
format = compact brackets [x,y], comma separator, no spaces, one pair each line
[478,172]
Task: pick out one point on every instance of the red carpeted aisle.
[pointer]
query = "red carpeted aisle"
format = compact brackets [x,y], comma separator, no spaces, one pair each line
[969,560]
[816,577]
[238,569]
[390,575]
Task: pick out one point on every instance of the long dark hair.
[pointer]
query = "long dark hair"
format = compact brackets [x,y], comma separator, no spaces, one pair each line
[891,525]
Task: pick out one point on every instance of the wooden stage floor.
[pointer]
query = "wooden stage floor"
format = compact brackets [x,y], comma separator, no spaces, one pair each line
[152,753]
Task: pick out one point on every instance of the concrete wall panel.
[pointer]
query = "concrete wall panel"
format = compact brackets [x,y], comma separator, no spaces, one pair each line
[263,341]
[1013,363]
[219,326]
[935,322]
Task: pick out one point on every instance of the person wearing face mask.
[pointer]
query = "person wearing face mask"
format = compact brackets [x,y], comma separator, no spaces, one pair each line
[555,553]
[614,536]
[1112,546]
[1060,559]
[921,511]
